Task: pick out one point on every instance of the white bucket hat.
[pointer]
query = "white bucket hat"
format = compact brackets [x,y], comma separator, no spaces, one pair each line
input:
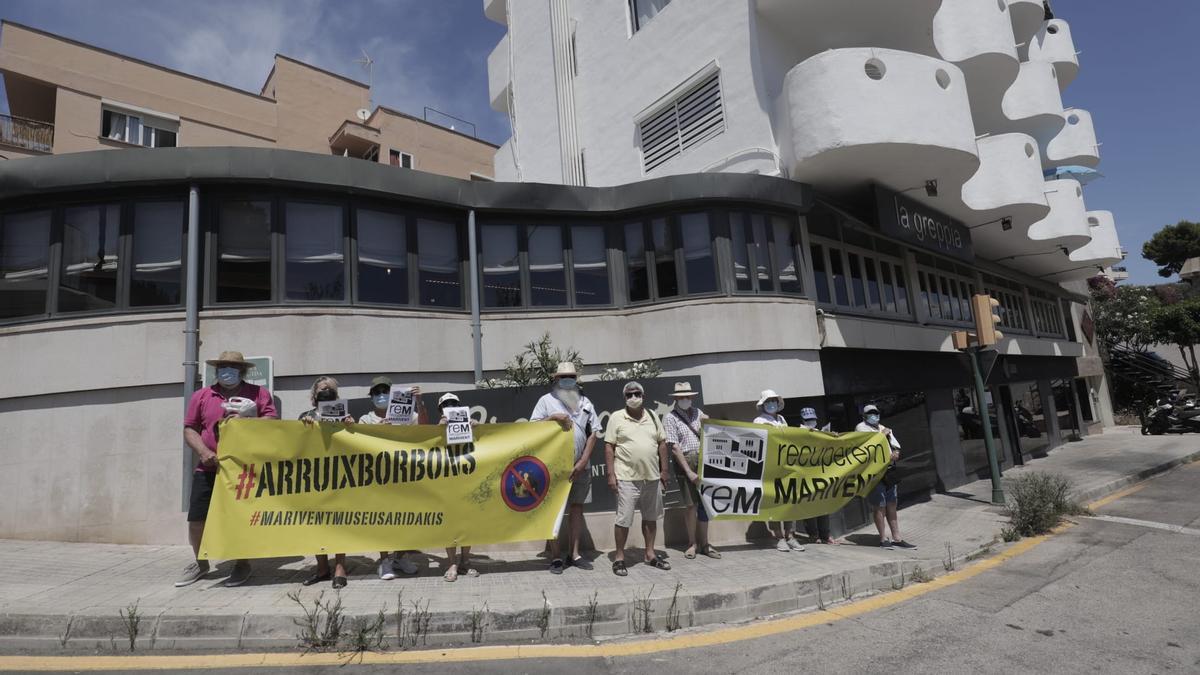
[768,394]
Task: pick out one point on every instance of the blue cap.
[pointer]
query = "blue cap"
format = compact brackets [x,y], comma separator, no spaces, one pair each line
[808,414]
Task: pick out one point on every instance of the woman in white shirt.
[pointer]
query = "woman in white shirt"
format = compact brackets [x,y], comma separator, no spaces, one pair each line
[770,411]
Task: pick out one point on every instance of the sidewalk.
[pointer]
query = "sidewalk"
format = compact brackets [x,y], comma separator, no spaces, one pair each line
[56,596]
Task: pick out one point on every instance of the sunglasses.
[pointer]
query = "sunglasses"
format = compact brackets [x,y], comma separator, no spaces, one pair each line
[633,394]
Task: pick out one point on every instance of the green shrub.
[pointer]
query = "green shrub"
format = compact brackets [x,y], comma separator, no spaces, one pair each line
[1037,502]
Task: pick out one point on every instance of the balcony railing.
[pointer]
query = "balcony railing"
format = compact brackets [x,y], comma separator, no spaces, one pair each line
[28,134]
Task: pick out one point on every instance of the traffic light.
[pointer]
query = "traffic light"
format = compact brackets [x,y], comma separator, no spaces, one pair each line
[986,319]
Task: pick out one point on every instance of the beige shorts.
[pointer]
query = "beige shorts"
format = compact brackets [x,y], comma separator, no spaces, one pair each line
[644,496]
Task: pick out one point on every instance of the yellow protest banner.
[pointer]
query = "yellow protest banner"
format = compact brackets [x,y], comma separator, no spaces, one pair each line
[284,488]
[760,472]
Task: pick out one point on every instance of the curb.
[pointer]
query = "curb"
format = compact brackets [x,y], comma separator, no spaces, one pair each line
[648,611]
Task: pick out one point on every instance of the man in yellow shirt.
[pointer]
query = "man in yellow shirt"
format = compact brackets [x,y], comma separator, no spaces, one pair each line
[635,454]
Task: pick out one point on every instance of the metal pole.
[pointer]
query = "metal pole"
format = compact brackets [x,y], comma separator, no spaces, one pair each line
[191,328]
[476,325]
[986,420]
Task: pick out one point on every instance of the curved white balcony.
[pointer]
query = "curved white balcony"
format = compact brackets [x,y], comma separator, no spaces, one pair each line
[1052,239]
[1027,17]
[977,36]
[1006,196]
[499,78]
[855,116]
[1032,105]
[1053,45]
[1105,247]
[813,26]
[1076,143]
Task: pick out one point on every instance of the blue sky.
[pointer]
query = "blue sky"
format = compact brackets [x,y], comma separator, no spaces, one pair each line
[1138,73]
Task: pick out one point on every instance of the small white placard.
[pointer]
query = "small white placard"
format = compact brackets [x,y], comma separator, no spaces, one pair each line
[333,411]
[458,426]
[402,405]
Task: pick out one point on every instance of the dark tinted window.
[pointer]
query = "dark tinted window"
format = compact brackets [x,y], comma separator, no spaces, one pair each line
[589,257]
[664,257]
[314,252]
[91,240]
[501,259]
[438,264]
[635,262]
[547,274]
[24,263]
[786,266]
[244,251]
[698,253]
[819,274]
[740,244]
[382,257]
[157,274]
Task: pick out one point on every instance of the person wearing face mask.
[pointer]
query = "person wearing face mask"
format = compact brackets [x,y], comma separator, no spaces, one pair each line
[884,497]
[635,456]
[457,558]
[770,411]
[229,396]
[325,388]
[565,404]
[682,426]
[380,395]
[817,528]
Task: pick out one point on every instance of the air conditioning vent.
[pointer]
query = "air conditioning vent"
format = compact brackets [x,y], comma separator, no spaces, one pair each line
[694,117]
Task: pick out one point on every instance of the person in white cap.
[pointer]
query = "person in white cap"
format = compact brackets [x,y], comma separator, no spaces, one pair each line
[770,411]
[818,527]
[567,405]
[683,440]
[457,558]
[884,497]
[635,455]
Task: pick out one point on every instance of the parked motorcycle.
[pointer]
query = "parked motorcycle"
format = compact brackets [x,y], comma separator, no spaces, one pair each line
[1171,415]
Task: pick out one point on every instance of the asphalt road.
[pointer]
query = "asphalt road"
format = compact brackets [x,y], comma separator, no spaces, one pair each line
[1103,596]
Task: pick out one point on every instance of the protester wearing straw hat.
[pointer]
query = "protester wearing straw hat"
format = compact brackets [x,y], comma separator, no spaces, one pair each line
[770,411]
[567,405]
[682,426]
[229,396]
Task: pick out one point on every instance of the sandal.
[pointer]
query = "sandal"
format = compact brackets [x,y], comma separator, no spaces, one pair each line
[690,553]
[451,574]
[316,578]
[711,552]
[339,582]
[619,568]
[659,563]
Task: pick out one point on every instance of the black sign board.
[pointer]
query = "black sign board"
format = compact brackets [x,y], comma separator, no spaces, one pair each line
[911,221]
[514,404]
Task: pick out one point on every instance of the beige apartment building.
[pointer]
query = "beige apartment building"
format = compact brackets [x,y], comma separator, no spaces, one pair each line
[66,96]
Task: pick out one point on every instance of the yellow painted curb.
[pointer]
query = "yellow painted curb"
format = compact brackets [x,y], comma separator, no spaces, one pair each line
[502,652]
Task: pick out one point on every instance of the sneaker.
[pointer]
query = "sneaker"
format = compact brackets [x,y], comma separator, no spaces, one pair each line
[194,572]
[556,567]
[782,546]
[240,574]
[886,543]
[583,563]
[794,545]
[903,544]
[405,565]
[385,570]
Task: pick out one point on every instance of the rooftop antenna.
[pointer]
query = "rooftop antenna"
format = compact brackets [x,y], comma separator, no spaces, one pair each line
[368,64]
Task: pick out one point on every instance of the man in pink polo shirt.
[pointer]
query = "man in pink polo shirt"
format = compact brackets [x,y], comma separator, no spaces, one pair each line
[229,396]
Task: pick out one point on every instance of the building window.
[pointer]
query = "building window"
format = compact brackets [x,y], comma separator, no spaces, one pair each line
[438,268]
[547,273]
[91,240]
[641,11]
[1011,297]
[856,278]
[589,261]
[698,261]
[136,130]
[382,257]
[24,263]
[1047,314]
[314,252]
[785,243]
[663,251]
[243,267]
[400,159]
[158,247]
[500,254]
[638,272]
[946,289]
[690,119]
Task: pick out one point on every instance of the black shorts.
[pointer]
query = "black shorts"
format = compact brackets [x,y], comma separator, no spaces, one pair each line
[202,489]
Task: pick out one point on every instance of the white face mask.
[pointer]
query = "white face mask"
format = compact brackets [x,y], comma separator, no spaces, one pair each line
[566,383]
[771,407]
[634,403]
[873,419]
[684,404]
[228,377]
[380,401]
[811,424]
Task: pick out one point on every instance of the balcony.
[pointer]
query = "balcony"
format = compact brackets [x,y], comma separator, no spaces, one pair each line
[1007,195]
[1075,144]
[1060,233]
[499,78]
[855,116]
[809,27]
[1053,45]
[1027,17]
[355,139]
[32,135]
[1105,247]
[977,36]
[1033,104]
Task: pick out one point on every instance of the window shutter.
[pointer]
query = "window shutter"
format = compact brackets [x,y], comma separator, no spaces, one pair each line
[692,118]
